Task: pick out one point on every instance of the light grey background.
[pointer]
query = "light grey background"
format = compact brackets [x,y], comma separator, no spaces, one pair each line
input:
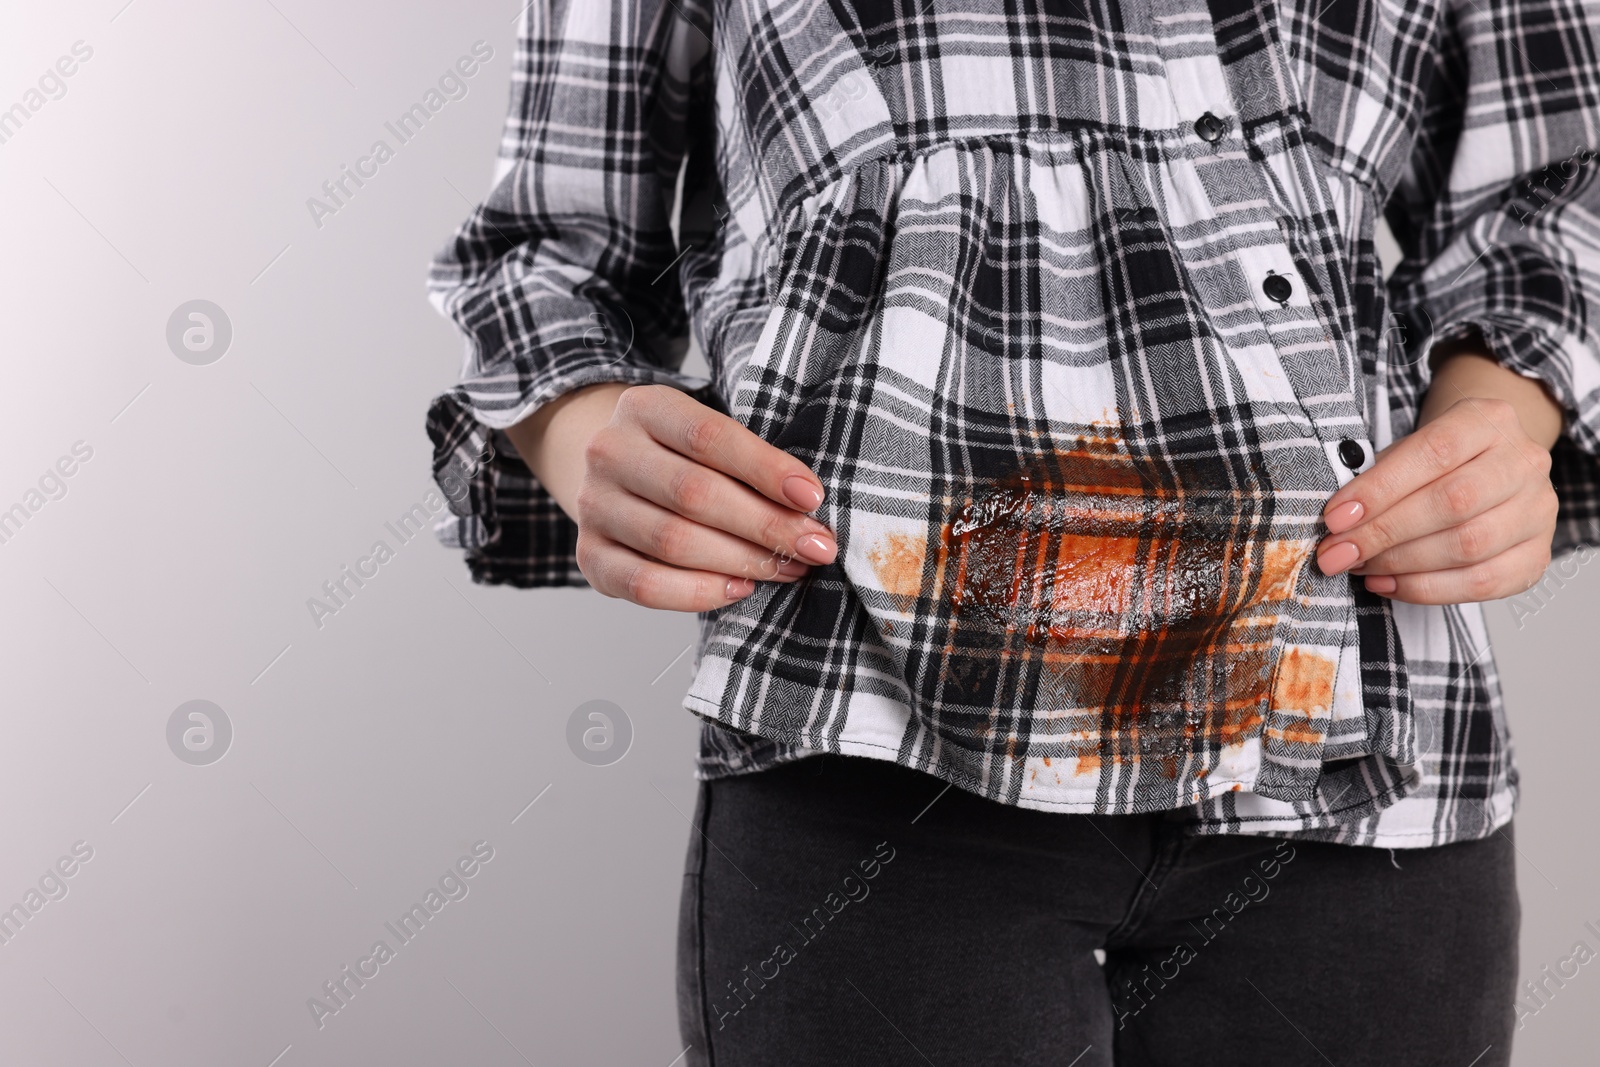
[370,753]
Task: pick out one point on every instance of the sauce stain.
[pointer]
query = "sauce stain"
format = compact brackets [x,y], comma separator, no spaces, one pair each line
[1304,682]
[897,561]
[1147,589]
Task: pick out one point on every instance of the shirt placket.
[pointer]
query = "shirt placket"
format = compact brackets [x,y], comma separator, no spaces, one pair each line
[1312,363]
[1281,195]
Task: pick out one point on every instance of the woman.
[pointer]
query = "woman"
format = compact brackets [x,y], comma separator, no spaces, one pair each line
[1064,443]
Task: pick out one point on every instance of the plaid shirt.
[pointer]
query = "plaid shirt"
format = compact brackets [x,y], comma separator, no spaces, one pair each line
[1075,310]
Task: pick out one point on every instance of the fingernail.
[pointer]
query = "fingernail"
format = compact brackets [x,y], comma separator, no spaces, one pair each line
[1344,516]
[793,568]
[739,588]
[816,548]
[1338,558]
[802,492]
[1382,584]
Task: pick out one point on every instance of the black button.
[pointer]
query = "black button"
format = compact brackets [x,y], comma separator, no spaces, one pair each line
[1351,454]
[1209,128]
[1277,287]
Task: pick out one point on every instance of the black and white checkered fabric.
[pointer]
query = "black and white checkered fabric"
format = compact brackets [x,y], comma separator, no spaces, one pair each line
[1074,307]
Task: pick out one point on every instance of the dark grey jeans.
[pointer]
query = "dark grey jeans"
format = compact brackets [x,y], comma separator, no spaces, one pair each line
[831,916]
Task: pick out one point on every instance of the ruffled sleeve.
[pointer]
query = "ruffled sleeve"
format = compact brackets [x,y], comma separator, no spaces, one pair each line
[564,276]
[1498,215]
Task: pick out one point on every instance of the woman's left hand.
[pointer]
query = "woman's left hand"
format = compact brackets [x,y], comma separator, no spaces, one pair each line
[1459,511]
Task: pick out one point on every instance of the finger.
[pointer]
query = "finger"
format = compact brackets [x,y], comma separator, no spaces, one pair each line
[1450,500]
[711,498]
[709,437]
[661,535]
[618,571]
[1514,571]
[1460,434]
[1525,516]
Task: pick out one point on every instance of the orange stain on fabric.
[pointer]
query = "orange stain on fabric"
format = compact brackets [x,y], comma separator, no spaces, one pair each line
[1304,682]
[897,561]
[1145,587]
[1091,573]
[1240,722]
[1280,570]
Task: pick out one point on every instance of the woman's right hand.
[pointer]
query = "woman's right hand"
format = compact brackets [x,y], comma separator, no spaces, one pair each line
[678,506]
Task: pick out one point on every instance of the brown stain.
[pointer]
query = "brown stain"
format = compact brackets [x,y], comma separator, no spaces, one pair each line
[1141,584]
[1044,535]
[1091,573]
[897,561]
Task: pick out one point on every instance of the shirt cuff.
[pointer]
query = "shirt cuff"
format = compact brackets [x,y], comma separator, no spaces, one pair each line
[510,529]
[1567,368]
